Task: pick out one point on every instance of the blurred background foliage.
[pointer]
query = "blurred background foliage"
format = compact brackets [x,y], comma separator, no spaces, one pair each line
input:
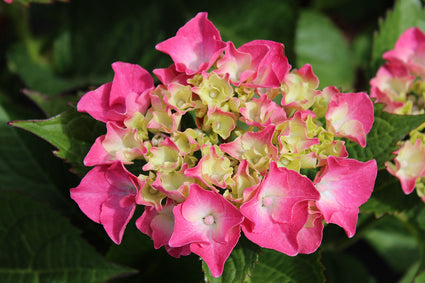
[52,54]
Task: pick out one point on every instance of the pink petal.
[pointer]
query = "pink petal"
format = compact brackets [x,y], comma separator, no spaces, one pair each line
[196,46]
[210,224]
[256,147]
[391,85]
[159,225]
[108,102]
[344,184]
[350,115]
[113,146]
[236,64]
[96,103]
[262,112]
[410,49]
[268,61]
[106,195]
[409,165]
[128,78]
[215,254]
[278,210]
[170,75]
[310,236]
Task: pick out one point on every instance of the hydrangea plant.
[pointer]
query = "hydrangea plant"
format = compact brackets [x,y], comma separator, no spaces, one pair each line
[221,155]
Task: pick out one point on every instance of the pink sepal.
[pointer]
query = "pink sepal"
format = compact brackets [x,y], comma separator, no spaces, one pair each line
[410,49]
[300,88]
[278,210]
[409,165]
[170,75]
[261,112]
[212,229]
[180,190]
[293,136]
[344,184]
[207,175]
[108,102]
[350,115]
[107,196]
[111,147]
[196,46]
[159,225]
[236,64]
[310,236]
[391,84]
[268,62]
[256,147]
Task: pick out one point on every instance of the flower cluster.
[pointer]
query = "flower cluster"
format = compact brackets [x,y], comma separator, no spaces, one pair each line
[224,144]
[400,85]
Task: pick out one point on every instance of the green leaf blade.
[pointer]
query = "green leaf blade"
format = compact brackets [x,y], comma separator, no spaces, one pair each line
[387,130]
[406,13]
[275,267]
[38,245]
[71,132]
[331,57]
[239,265]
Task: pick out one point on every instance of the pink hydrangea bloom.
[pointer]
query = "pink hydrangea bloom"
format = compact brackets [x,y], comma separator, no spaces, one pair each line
[256,147]
[391,86]
[300,88]
[119,99]
[410,49]
[170,75]
[409,164]
[236,64]
[344,184]
[212,169]
[310,236]
[196,46]
[159,225]
[260,112]
[259,63]
[208,182]
[350,115]
[107,196]
[278,210]
[209,224]
[118,144]
[294,135]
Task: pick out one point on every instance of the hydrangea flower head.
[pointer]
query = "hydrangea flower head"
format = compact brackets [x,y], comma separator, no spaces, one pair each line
[399,84]
[221,146]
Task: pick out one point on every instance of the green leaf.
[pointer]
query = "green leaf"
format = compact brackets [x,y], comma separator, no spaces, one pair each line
[420,278]
[320,43]
[406,13]
[38,245]
[388,197]
[393,243]
[37,75]
[275,267]
[71,132]
[387,130]
[50,105]
[26,2]
[279,25]
[238,266]
[342,267]
[26,164]
[137,251]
